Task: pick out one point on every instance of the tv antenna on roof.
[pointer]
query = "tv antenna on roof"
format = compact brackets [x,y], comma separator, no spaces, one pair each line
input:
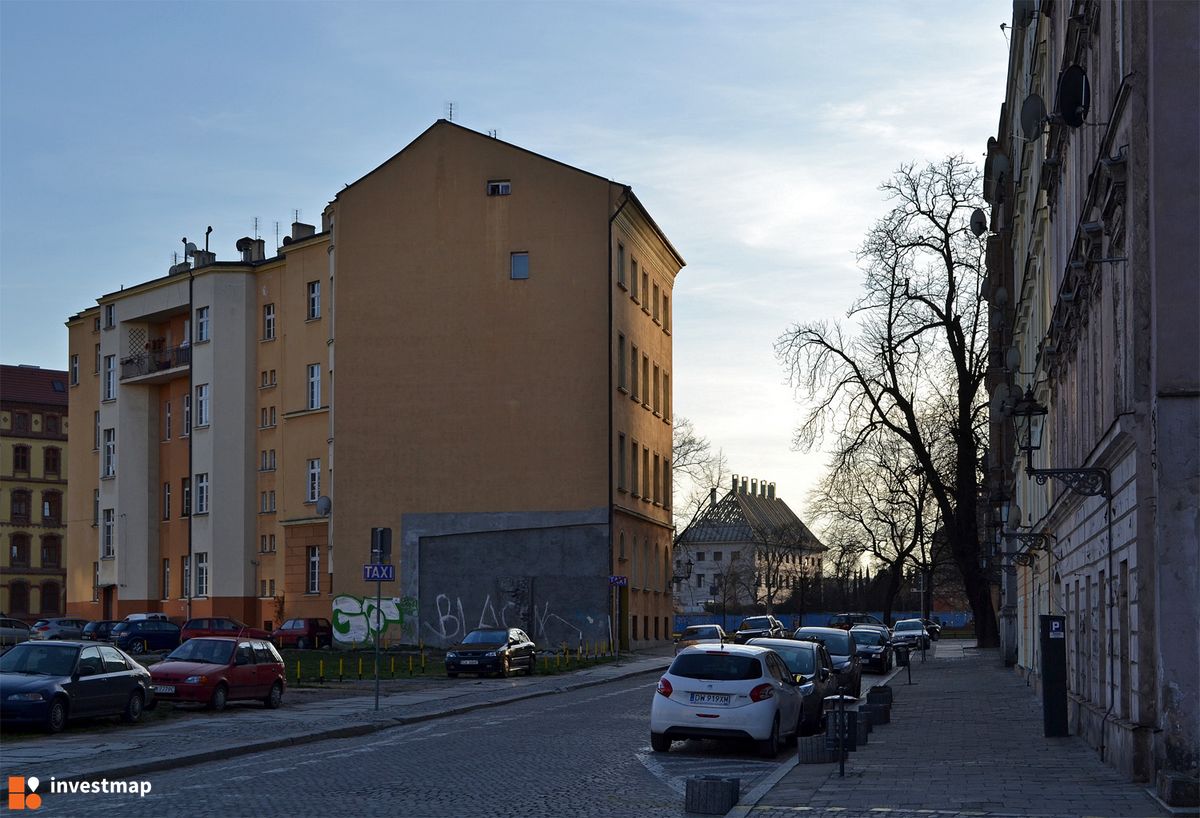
[450,110]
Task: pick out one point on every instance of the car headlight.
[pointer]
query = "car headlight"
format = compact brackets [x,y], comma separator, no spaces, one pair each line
[26,697]
[806,689]
[492,654]
[195,680]
[451,654]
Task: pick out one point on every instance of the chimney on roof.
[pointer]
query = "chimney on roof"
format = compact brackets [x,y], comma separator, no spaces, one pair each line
[745,484]
[204,258]
[735,484]
[258,252]
[300,230]
[712,496]
[771,491]
[753,486]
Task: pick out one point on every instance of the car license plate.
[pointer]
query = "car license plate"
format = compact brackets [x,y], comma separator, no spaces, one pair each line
[164,688]
[470,661]
[710,698]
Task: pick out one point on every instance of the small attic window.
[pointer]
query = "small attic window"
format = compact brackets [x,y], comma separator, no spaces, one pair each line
[499,187]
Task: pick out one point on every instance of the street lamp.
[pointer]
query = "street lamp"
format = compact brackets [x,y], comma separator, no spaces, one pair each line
[1030,417]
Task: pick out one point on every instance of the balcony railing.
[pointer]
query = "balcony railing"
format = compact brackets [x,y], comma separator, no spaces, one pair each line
[157,360]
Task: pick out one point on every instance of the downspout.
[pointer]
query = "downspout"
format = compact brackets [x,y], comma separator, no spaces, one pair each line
[616,605]
[187,573]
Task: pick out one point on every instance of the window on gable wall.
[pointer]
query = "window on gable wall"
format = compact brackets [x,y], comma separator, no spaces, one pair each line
[499,187]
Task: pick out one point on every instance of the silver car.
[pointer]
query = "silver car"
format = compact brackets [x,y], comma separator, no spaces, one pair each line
[13,631]
[58,627]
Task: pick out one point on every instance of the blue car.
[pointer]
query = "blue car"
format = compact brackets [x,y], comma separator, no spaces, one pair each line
[49,682]
[145,635]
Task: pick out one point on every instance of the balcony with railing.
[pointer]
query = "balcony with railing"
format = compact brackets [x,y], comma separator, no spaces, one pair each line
[156,365]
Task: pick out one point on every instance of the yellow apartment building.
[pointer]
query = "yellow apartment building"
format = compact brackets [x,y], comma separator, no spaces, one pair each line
[502,401]
[33,490]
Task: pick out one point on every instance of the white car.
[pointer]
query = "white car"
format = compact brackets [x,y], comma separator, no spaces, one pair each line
[729,692]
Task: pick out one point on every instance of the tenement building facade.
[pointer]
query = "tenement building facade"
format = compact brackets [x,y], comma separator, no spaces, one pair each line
[482,337]
[1096,367]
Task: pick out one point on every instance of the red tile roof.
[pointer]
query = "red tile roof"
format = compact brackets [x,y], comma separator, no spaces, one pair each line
[31,384]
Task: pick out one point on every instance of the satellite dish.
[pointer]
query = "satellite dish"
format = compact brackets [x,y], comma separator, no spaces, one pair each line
[978,222]
[1033,117]
[245,243]
[1074,96]
[324,506]
[189,249]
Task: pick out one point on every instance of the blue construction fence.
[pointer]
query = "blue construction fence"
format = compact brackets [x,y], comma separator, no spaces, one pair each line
[947,619]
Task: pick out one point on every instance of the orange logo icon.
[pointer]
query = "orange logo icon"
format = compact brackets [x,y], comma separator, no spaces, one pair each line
[18,798]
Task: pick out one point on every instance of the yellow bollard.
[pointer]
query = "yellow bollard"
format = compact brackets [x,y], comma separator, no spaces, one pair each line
[297,671]
[360,668]
[422,660]
[321,671]
[393,667]
[410,663]
[341,668]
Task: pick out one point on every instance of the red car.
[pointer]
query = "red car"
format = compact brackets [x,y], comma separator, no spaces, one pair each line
[303,633]
[215,669]
[220,626]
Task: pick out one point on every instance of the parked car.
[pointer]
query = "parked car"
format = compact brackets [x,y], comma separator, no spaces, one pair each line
[759,627]
[58,627]
[134,617]
[933,629]
[143,635]
[727,691]
[213,670]
[303,633]
[843,653]
[13,631]
[219,626]
[846,621]
[98,631]
[873,647]
[49,682]
[696,634]
[911,632]
[492,650]
[811,666]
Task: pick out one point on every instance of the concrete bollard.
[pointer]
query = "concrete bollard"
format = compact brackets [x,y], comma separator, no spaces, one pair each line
[863,726]
[812,750]
[880,694]
[711,795]
[877,713]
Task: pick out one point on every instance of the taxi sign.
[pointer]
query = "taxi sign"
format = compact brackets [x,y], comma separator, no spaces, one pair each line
[379,572]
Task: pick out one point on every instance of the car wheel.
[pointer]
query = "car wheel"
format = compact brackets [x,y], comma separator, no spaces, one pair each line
[137,647]
[529,671]
[133,707]
[769,747]
[275,697]
[219,696]
[659,743]
[301,643]
[56,717]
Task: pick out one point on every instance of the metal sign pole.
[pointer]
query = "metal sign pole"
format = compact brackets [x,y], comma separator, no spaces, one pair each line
[842,736]
[378,628]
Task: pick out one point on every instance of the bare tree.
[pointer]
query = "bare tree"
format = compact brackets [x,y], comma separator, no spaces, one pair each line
[778,559]
[695,470]
[918,351]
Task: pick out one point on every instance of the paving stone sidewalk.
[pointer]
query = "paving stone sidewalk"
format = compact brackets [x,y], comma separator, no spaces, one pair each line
[964,739]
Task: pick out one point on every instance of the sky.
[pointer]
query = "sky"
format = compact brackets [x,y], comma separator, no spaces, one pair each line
[755,133]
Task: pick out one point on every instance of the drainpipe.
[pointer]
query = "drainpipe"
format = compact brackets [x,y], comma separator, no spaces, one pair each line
[615,592]
[187,574]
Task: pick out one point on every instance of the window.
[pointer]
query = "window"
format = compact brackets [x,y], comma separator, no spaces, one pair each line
[666,312]
[52,424]
[185,578]
[314,480]
[95,431]
[633,368]
[657,482]
[646,381]
[50,595]
[699,580]
[201,324]
[109,466]
[645,291]
[18,551]
[314,300]
[716,556]
[110,316]
[733,555]
[622,375]
[108,541]
[499,187]
[185,497]
[621,462]
[202,574]
[110,377]
[313,574]
[19,501]
[95,582]
[666,489]
[262,587]
[74,370]
[96,369]
[187,415]
[166,501]
[167,420]
[654,301]
[202,413]
[51,552]
[666,386]
[268,322]
[267,502]
[20,458]
[272,380]
[271,586]
[621,264]
[646,489]
[95,506]
[314,386]
[166,578]
[633,266]
[633,475]
[518,266]
[20,421]
[657,391]
[51,508]
[201,495]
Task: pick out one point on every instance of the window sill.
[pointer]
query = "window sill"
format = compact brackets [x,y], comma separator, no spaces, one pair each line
[200,514]
[657,413]
[267,386]
[623,390]
[266,340]
[108,400]
[657,320]
[108,477]
[622,285]
[265,471]
[633,397]
[202,341]
[645,309]
[109,557]
[313,319]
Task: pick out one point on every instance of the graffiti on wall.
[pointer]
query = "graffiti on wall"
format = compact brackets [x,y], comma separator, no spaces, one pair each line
[449,622]
[356,619]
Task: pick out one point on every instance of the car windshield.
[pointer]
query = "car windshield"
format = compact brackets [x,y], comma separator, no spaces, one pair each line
[209,651]
[867,637]
[799,659]
[716,666]
[119,627]
[837,643]
[486,638]
[755,623]
[43,660]
[701,633]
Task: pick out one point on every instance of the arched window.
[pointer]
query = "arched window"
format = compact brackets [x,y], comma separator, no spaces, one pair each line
[18,551]
[18,599]
[51,551]
[50,598]
[19,509]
